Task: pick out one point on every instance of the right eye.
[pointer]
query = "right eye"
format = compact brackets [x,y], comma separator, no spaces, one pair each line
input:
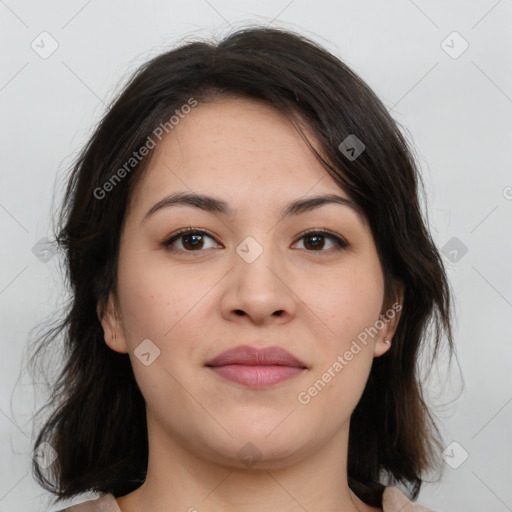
[191,240]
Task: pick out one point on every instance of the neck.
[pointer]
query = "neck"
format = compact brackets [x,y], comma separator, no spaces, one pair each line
[179,478]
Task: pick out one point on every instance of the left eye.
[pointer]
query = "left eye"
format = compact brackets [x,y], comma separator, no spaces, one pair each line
[317,240]
[192,240]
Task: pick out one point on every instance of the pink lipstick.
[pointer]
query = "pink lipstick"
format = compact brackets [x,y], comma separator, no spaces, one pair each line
[256,367]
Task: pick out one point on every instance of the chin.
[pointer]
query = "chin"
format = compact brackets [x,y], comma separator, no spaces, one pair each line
[255,450]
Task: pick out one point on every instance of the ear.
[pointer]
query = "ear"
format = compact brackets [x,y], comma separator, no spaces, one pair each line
[112,326]
[389,316]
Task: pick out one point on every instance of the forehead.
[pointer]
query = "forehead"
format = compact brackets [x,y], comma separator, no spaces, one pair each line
[245,151]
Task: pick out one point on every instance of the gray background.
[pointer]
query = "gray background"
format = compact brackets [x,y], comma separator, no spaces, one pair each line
[456,106]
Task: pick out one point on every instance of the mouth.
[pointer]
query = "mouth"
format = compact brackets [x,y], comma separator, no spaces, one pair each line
[256,367]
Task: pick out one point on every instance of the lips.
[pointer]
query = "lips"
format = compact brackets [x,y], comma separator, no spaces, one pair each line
[250,356]
[256,368]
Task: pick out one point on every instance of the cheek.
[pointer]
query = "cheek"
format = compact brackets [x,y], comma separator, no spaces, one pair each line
[146,313]
[156,306]
[346,301]
[350,304]
[154,296]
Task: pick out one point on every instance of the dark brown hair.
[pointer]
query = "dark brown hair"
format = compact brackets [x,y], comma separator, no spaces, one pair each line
[97,423]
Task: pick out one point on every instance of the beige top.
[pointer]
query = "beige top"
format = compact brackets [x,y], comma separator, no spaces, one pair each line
[392,501]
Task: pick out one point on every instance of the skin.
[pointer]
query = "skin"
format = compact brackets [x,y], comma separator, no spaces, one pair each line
[194,305]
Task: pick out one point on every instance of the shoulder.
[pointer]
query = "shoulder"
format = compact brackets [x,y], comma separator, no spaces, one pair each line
[393,500]
[105,503]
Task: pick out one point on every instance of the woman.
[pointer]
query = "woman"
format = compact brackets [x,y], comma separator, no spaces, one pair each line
[252,283]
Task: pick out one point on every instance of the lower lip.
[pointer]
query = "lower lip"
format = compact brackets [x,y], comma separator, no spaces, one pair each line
[256,376]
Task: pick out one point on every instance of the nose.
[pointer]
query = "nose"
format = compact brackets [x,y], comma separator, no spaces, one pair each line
[259,291]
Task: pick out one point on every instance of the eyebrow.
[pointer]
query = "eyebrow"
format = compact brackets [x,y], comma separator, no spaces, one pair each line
[214,205]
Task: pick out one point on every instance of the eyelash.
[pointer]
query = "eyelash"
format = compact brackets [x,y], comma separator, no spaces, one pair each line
[341,244]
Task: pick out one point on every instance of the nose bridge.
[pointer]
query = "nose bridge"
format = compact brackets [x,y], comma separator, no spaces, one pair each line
[259,288]
[256,263]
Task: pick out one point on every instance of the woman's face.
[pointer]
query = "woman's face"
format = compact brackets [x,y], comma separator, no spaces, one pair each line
[248,275]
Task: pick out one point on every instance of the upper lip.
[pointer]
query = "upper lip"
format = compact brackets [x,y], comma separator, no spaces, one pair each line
[251,356]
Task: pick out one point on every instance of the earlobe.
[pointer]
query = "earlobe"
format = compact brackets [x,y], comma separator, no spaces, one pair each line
[381,347]
[112,329]
[390,318]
